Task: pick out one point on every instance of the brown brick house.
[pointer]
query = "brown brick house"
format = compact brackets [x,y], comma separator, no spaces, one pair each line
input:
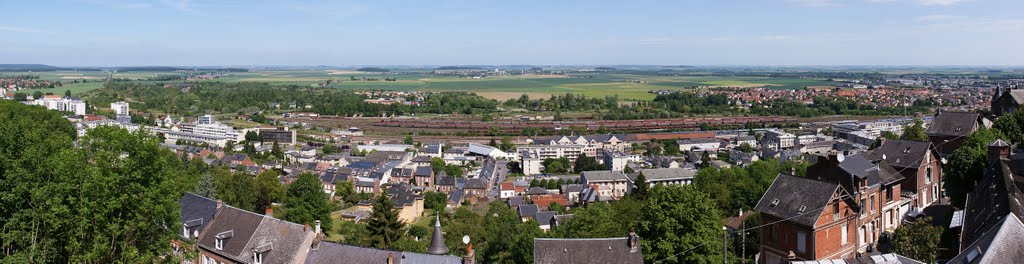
[920,167]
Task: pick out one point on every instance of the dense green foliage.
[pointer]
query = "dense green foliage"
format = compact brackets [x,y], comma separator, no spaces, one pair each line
[305,202]
[207,97]
[917,240]
[566,102]
[435,200]
[967,164]
[557,166]
[112,200]
[385,227]
[506,238]
[584,163]
[679,224]
[737,188]
[915,131]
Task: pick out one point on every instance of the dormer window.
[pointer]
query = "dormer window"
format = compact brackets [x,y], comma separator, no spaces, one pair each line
[906,151]
[258,252]
[775,202]
[957,129]
[802,208]
[220,237]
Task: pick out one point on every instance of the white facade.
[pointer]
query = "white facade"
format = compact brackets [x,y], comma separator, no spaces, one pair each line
[615,161]
[384,147]
[67,104]
[120,108]
[776,139]
[530,163]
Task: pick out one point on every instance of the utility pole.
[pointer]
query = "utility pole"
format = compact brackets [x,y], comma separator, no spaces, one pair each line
[743,238]
[725,245]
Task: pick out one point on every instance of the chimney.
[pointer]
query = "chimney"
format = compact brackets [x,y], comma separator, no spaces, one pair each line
[634,242]
[305,227]
[470,257]
[997,151]
[269,212]
[391,258]
[317,230]
[219,203]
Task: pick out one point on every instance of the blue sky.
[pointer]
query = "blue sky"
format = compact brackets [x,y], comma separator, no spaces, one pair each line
[685,32]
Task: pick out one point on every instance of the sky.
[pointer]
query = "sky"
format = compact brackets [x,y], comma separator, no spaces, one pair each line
[452,32]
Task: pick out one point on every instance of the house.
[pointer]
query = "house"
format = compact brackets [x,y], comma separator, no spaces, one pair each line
[704,144]
[1006,100]
[545,200]
[676,176]
[526,211]
[238,236]
[991,228]
[797,213]
[196,214]
[613,185]
[424,176]
[476,188]
[949,129]
[506,190]
[587,250]
[545,219]
[530,163]
[445,184]
[777,139]
[408,200]
[614,160]
[918,164]
[572,192]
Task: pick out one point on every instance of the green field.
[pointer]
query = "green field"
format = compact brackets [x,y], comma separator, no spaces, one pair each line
[501,88]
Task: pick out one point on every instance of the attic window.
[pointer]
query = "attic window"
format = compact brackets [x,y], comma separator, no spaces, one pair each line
[957,129]
[802,208]
[775,202]
[907,150]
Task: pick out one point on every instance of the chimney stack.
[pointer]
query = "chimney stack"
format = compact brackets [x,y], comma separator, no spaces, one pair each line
[997,151]
[391,258]
[634,242]
[219,203]
[317,230]
[269,212]
[470,257]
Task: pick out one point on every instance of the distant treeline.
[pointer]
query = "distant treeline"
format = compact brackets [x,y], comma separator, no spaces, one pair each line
[39,68]
[372,69]
[219,97]
[167,68]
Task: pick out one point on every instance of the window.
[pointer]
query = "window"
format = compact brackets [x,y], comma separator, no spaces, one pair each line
[257,258]
[773,233]
[835,209]
[184,231]
[846,229]
[801,242]
[888,194]
[928,175]
[863,204]
[219,244]
[872,203]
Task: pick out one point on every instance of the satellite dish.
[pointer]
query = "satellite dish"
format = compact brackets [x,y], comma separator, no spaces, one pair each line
[465,239]
[944,161]
[883,156]
[840,157]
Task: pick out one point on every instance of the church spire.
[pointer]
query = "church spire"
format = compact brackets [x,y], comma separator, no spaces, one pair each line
[437,246]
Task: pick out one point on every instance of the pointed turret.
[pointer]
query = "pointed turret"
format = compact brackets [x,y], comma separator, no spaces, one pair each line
[437,246]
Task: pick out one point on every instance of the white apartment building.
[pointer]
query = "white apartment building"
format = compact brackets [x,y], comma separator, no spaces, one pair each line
[120,108]
[58,103]
[776,139]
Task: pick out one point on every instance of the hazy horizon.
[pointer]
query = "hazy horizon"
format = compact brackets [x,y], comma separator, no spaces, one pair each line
[783,33]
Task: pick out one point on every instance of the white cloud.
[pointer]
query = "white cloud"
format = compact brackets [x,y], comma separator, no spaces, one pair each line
[815,3]
[975,25]
[940,2]
[22,29]
[930,18]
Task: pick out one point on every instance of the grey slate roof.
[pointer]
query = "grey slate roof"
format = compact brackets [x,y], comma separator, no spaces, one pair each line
[240,223]
[515,201]
[475,184]
[330,253]
[790,193]
[571,188]
[953,124]
[285,240]
[424,171]
[536,191]
[417,258]
[666,174]
[1001,244]
[545,218]
[586,250]
[527,210]
[602,176]
[196,212]
[901,153]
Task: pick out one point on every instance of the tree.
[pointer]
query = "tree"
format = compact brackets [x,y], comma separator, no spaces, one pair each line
[69,202]
[641,187]
[886,135]
[268,190]
[745,148]
[37,94]
[305,202]
[67,93]
[555,207]
[385,227]
[343,188]
[506,144]
[235,189]
[453,170]
[967,164]
[437,164]
[206,187]
[705,159]
[278,153]
[506,238]
[555,166]
[679,224]
[435,200]
[915,131]
[408,140]
[918,240]
[584,163]
[493,143]
[628,170]
[251,136]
